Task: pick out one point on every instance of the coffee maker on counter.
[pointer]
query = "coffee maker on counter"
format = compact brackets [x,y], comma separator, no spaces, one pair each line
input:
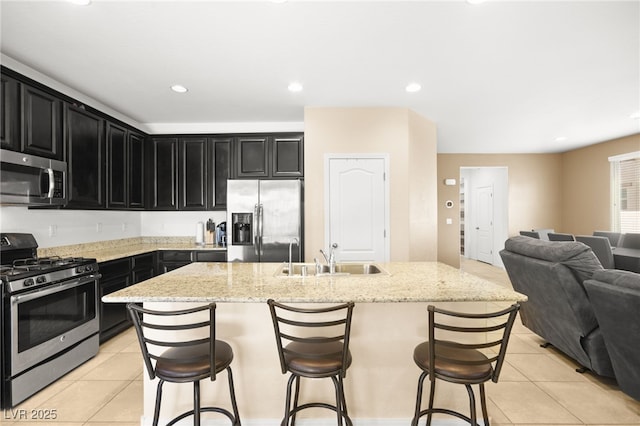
[221,234]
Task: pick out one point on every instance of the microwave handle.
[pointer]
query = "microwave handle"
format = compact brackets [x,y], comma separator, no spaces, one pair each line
[47,188]
[52,183]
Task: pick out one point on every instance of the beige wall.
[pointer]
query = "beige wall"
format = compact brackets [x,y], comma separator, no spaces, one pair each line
[410,142]
[586,185]
[535,194]
[569,192]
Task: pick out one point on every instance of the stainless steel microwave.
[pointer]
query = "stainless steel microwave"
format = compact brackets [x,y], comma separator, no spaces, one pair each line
[30,180]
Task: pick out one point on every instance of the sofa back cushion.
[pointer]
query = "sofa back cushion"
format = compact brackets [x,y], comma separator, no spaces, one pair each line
[576,256]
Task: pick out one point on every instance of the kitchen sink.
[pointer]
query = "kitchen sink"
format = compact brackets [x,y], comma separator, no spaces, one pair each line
[341,269]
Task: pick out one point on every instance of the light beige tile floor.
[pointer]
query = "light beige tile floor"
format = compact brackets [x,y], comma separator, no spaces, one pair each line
[538,386]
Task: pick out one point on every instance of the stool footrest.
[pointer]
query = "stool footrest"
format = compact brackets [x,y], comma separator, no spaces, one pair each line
[186,414]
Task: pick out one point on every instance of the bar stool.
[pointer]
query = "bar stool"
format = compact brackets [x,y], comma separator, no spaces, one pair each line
[458,362]
[183,353]
[313,357]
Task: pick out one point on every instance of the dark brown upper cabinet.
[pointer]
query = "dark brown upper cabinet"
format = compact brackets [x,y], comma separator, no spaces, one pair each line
[117,167]
[252,156]
[136,170]
[162,169]
[287,156]
[193,173]
[41,123]
[269,156]
[219,172]
[86,159]
[9,113]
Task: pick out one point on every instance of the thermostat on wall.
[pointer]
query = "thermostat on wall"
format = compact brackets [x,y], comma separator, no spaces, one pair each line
[448,204]
[449,182]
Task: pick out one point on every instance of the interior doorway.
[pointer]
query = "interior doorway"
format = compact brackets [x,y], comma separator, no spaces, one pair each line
[484,213]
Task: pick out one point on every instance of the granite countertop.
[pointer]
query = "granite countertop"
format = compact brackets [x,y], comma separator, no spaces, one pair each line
[104,251]
[256,282]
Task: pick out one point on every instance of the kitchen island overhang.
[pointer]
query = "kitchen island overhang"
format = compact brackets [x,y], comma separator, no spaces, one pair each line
[390,319]
[257,282]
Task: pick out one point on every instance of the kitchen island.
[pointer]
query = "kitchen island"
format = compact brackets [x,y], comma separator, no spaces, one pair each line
[390,318]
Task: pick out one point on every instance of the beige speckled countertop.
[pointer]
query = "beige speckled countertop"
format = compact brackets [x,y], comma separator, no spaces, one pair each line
[104,251]
[255,282]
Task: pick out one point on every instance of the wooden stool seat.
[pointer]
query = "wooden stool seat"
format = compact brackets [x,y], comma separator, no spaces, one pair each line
[192,363]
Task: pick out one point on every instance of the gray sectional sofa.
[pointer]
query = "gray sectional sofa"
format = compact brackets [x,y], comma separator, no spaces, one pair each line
[552,275]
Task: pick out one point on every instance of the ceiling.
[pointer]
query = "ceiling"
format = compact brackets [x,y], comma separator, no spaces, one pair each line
[499,77]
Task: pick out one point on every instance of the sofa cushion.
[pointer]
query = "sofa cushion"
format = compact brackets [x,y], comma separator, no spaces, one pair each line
[578,257]
[625,279]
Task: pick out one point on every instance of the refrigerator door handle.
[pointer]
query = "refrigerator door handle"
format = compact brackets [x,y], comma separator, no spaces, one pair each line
[256,230]
[261,221]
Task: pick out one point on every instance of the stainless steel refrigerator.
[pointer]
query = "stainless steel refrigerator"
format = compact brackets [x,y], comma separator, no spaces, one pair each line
[263,218]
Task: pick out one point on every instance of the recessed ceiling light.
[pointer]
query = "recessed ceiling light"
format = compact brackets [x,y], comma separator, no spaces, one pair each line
[561,138]
[476,1]
[178,88]
[295,86]
[635,115]
[80,2]
[413,87]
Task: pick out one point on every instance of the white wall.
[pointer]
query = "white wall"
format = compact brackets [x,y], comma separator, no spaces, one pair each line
[176,224]
[53,227]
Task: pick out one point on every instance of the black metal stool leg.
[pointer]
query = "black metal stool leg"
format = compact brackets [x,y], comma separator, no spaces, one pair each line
[287,408]
[483,402]
[338,400]
[472,405]
[416,415]
[432,395]
[345,413]
[295,401]
[156,412]
[196,403]
[232,393]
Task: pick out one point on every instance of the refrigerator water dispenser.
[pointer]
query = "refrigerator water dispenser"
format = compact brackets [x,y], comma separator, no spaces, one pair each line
[242,228]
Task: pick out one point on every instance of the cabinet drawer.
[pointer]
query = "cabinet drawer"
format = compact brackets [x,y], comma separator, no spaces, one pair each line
[176,256]
[143,261]
[210,256]
[115,268]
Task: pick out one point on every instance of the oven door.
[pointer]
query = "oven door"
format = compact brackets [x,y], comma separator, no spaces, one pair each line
[50,320]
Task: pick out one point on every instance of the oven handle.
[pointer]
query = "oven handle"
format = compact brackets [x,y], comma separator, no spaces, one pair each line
[55,288]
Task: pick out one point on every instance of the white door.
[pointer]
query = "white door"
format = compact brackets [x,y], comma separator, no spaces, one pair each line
[484,224]
[356,206]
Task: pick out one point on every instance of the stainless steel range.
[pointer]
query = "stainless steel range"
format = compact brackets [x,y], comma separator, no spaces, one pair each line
[50,316]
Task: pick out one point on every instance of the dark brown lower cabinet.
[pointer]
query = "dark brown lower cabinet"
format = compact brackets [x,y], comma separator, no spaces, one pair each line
[121,273]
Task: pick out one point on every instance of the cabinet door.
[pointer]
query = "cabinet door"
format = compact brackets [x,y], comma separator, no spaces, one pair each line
[193,174]
[116,166]
[252,157]
[86,159]
[113,316]
[143,267]
[288,156]
[220,172]
[9,114]
[42,123]
[136,171]
[163,171]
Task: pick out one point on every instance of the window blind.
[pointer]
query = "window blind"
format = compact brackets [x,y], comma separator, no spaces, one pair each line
[625,192]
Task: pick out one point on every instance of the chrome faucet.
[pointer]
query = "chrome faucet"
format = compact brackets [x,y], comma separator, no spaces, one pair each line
[331,259]
[296,240]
